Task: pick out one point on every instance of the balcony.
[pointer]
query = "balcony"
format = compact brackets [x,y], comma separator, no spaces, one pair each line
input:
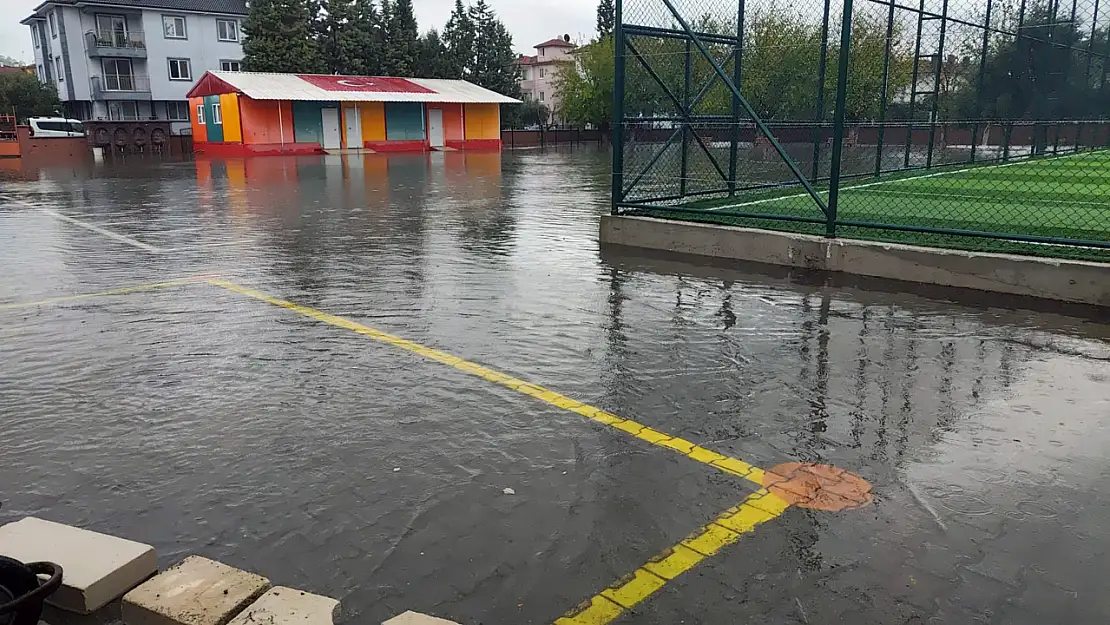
[115,43]
[121,87]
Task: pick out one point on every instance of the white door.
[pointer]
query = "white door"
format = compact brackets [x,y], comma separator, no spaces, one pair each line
[332,140]
[354,127]
[435,128]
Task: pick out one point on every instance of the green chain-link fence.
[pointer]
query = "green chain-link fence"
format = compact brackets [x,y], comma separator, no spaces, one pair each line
[974,124]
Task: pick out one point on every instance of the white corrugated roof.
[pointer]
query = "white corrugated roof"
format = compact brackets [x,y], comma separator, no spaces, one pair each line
[263,86]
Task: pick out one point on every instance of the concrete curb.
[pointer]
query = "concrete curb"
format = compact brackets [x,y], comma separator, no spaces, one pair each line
[1054,279]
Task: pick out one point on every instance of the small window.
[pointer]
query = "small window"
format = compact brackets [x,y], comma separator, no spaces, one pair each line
[53,25]
[35,34]
[227,30]
[217,114]
[541,96]
[177,111]
[42,72]
[174,26]
[200,114]
[231,66]
[180,69]
[58,69]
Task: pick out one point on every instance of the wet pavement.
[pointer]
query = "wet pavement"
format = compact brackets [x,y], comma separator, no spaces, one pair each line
[202,421]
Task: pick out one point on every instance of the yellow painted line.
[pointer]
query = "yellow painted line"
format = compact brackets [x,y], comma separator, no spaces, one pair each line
[607,606]
[725,464]
[123,291]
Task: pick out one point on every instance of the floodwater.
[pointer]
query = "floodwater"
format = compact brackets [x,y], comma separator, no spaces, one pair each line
[202,421]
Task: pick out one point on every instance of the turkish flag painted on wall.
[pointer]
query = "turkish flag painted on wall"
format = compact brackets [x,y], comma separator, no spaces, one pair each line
[375,84]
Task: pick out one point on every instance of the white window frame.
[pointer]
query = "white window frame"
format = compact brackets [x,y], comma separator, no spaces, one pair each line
[541,96]
[542,72]
[35,35]
[184,117]
[228,63]
[188,76]
[172,19]
[235,26]
[53,25]
[200,114]
[59,69]
[217,114]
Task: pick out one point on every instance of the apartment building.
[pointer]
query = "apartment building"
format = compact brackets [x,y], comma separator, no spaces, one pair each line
[134,60]
[538,72]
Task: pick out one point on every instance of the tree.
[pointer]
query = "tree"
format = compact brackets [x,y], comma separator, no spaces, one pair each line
[493,64]
[459,38]
[606,18]
[341,39]
[23,95]
[366,20]
[401,39]
[586,89]
[280,37]
[432,58]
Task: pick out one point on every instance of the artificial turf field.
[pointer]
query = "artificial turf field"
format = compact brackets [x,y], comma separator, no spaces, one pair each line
[1065,197]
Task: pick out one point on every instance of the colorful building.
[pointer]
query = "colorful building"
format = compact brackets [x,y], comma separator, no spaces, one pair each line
[244,113]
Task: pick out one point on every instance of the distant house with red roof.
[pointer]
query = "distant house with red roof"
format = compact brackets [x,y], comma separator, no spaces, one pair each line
[538,72]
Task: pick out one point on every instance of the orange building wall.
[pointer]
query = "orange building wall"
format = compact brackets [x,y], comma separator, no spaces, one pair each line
[229,110]
[263,121]
[373,121]
[483,121]
[452,121]
[200,131]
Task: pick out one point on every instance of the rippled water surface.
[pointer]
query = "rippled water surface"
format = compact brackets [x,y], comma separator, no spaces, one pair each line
[202,421]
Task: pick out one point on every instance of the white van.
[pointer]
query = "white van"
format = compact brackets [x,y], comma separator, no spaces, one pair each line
[54,127]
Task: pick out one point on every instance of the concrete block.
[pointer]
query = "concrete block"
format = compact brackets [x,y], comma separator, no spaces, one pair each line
[1080,282]
[286,606]
[97,568]
[196,591]
[416,618]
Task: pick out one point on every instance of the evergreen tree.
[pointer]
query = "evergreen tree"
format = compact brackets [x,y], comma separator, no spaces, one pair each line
[432,59]
[606,18]
[366,20]
[459,37]
[401,39]
[280,37]
[493,66]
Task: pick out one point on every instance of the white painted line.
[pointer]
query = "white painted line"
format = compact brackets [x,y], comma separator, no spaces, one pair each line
[204,246]
[895,180]
[97,229]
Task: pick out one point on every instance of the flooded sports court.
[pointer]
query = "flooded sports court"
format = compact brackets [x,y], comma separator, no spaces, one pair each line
[417,382]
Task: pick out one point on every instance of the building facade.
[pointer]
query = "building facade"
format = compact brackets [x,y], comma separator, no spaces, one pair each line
[248,113]
[538,73]
[134,60]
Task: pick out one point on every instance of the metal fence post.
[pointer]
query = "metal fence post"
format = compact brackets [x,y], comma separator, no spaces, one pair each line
[688,73]
[838,117]
[618,107]
[737,78]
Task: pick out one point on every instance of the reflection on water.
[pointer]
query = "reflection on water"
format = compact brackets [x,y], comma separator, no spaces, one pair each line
[200,422]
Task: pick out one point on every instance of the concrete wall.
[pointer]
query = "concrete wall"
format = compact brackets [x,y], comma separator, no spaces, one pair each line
[1056,279]
[202,47]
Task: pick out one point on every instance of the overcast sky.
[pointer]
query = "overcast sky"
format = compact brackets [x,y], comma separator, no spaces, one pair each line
[529,21]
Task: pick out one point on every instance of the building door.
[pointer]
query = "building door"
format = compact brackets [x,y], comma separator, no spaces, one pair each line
[435,128]
[330,118]
[354,127]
